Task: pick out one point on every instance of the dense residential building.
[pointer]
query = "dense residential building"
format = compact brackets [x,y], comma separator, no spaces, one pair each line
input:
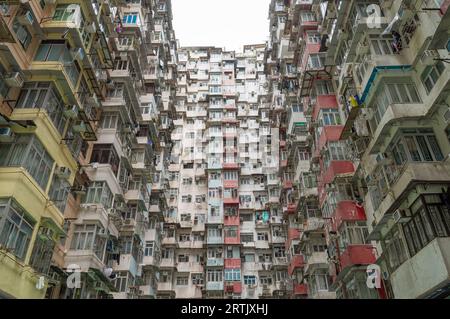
[87,93]
[312,166]
[223,236]
[373,83]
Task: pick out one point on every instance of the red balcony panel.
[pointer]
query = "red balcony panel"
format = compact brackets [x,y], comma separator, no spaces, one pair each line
[232,262]
[282,143]
[324,102]
[283,163]
[234,200]
[348,210]
[300,289]
[232,240]
[296,262]
[329,134]
[230,184]
[357,255]
[293,233]
[290,208]
[287,184]
[230,165]
[237,287]
[231,221]
[336,168]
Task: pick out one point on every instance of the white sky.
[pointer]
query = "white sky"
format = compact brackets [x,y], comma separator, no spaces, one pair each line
[226,24]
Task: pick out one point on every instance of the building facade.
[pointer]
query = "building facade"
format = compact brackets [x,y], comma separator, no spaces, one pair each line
[312,166]
[88,89]
[372,205]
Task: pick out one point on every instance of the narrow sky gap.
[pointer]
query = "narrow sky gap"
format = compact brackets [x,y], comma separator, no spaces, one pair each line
[226,24]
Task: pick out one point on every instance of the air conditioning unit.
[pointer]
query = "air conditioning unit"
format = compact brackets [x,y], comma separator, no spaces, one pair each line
[6,135]
[400,216]
[14,80]
[26,18]
[62,172]
[71,112]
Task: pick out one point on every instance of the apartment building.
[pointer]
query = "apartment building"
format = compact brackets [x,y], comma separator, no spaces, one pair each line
[373,80]
[223,236]
[86,86]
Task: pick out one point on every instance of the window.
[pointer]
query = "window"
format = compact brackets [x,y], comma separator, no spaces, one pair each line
[416,145]
[353,233]
[233,274]
[323,87]
[231,232]
[313,37]
[307,16]
[265,280]
[131,18]
[316,61]
[329,117]
[431,75]
[247,238]
[392,93]
[183,258]
[99,193]
[263,236]
[59,191]
[44,95]
[42,254]
[394,249]
[57,50]
[250,280]
[85,238]
[106,154]
[430,218]
[23,35]
[148,249]
[110,120]
[66,12]
[214,275]
[382,45]
[197,279]
[16,228]
[28,152]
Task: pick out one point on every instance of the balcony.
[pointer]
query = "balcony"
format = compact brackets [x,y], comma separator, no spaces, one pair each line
[356,255]
[300,289]
[214,240]
[231,221]
[214,285]
[231,200]
[337,168]
[297,261]
[167,263]
[165,286]
[401,178]
[233,287]
[316,260]
[423,274]
[348,210]
[214,262]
